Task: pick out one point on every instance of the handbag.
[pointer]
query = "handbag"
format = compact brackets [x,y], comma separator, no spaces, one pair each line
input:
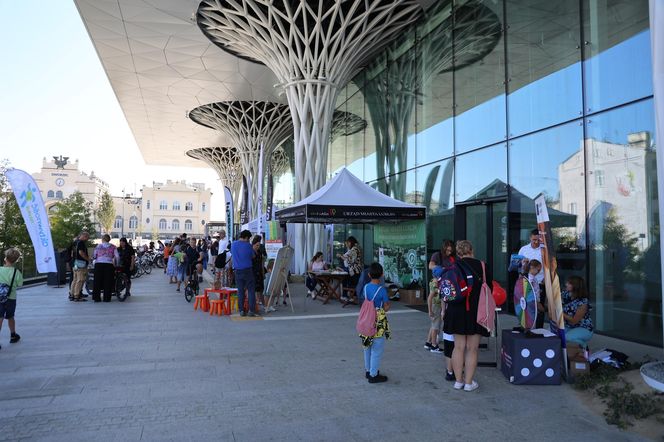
[5,290]
[366,322]
[486,308]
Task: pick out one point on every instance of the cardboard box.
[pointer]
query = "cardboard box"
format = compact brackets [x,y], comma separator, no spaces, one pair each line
[412,297]
[577,369]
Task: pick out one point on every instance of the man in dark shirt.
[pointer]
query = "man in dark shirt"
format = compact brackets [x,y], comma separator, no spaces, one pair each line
[193,259]
[80,261]
[243,254]
[127,261]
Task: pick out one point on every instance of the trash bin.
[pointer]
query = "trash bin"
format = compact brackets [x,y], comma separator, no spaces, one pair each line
[59,278]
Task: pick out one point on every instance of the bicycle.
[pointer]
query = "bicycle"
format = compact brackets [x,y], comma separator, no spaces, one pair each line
[192,288]
[119,286]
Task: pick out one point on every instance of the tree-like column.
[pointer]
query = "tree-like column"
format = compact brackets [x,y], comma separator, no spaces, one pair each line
[314,48]
[226,162]
[250,124]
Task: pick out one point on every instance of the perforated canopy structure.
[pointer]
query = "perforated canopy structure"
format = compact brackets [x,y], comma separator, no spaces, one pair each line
[251,124]
[314,48]
[226,162]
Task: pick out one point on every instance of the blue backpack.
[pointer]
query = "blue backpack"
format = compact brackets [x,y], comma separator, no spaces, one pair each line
[454,283]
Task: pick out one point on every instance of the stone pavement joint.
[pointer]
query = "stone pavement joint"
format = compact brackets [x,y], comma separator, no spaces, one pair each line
[153,369]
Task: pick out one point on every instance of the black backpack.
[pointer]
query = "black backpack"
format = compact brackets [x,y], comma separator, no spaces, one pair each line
[220,260]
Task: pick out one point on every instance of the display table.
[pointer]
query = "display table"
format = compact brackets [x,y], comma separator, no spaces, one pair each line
[530,360]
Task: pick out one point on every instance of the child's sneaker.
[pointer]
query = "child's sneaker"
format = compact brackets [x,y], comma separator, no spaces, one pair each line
[376,379]
[436,350]
[14,338]
[459,385]
[471,387]
[428,346]
[449,376]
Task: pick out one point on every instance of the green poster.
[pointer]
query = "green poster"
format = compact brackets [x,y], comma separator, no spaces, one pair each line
[401,250]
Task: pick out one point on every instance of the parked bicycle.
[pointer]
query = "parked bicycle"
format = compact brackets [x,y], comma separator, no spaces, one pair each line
[119,287]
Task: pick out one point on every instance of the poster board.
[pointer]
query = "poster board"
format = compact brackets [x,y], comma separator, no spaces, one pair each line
[401,250]
[279,275]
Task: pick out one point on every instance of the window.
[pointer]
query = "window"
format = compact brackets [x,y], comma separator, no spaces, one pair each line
[118,222]
[203,207]
[573,208]
[133,222]
[163,205]
[175,225]
[189,206]
[599,178]
[147,220]
[148,205]
[58,194]
[50,194]
[176,205]
[188,225]
[162,224]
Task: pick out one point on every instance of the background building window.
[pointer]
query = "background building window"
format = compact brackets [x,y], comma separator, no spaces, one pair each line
[147,220]
[175,225]
[599,178]
[188,225]
[189,206]
[148,205]
[50,194]
[58,194]
[162,224]
[133,222]
[203,207]
[163,205]
[176,205]
[118,222]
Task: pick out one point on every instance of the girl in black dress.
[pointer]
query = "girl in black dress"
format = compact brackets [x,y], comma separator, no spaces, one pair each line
[462,323]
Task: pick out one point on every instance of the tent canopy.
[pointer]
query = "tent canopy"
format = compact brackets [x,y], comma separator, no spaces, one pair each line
[346,199]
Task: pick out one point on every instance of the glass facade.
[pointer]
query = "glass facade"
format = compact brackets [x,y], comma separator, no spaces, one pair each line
[482,106]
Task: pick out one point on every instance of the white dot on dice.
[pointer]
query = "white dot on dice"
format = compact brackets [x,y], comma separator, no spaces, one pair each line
[549,372]
[537,362]
[525,352]
[550,354]
[525,372]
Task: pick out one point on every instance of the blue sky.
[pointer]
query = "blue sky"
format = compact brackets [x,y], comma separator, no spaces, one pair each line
[57,100]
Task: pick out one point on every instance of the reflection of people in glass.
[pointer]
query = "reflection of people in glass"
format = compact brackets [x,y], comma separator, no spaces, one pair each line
[533,250]
[652,300]
[576,312]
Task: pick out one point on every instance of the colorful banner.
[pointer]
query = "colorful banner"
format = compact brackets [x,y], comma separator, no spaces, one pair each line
[32,207]
[261,228]
[230,213]
[269,205]
[550,267]
[402,248]
[244,210]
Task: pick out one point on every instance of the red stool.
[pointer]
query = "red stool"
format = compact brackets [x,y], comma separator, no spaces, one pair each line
[226,294]
[217,307]
[203,302]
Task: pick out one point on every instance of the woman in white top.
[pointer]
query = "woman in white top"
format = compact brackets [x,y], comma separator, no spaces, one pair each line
[316,264]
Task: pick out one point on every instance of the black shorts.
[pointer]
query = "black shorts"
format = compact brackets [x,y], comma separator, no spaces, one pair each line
[8,309]
[448,348]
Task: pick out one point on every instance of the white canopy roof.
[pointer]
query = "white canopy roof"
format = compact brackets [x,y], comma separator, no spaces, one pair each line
[346,198]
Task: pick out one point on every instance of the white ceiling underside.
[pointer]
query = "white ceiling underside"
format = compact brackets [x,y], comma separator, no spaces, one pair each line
[160,66]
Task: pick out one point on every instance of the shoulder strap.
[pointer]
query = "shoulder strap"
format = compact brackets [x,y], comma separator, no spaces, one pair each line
[483,272]
[11,284]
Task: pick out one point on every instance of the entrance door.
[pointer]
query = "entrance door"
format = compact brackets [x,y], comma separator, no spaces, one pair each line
[484,224]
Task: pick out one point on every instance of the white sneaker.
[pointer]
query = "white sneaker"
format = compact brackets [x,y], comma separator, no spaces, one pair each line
[470,387]
[271,309]
[313,296]
[458,385]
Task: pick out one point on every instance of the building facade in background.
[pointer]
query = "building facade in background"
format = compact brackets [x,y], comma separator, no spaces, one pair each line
[59,178]
[172,208]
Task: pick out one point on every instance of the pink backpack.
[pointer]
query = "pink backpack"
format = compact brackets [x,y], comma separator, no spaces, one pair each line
[486,310]
[366,322]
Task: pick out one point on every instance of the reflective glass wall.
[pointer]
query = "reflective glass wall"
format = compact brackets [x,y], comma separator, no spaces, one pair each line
[483,105]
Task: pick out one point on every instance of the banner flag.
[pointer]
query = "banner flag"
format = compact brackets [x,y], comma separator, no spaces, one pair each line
[261,229]
[269,207]
[550,266]
[244,209]
[32,207]
[228,197]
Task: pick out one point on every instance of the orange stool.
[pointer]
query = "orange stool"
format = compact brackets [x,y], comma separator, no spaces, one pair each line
[203,302]
[217,307]
[226,294]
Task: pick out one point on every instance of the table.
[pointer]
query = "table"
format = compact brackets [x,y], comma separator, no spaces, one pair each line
[330,283]
[224,295]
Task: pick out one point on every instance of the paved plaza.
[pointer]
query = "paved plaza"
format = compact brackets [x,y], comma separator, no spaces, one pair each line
[153,369]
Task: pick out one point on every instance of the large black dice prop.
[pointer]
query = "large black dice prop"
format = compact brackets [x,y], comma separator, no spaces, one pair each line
[530,360]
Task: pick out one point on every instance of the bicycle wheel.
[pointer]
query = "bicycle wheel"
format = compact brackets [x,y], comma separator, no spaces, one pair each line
[159,262]
[121,286]
[147,268]
[189,293]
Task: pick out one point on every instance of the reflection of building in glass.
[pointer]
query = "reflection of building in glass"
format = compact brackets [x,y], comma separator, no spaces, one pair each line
[617,182]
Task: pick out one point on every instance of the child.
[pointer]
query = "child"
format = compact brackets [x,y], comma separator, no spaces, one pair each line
[534,267]
[10,279]
[434,304]
[375,345]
